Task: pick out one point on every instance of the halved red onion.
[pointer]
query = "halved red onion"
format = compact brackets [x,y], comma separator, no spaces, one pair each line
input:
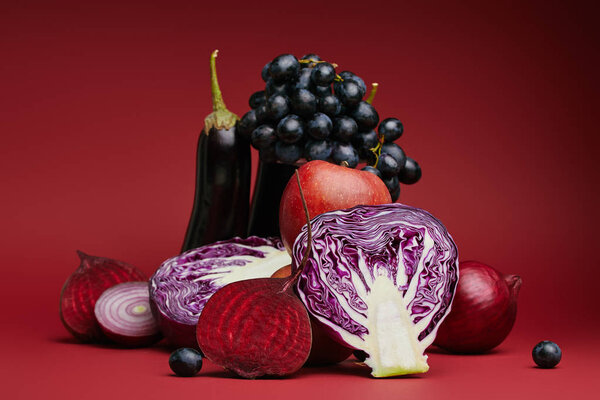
[124,314]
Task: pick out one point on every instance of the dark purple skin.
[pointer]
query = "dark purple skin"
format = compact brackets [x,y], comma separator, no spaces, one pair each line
[177,279]
[220,209]
[271,180]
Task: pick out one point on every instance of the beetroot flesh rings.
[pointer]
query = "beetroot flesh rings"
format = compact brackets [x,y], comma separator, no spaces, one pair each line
[83,288]
[255,328]
[123,312]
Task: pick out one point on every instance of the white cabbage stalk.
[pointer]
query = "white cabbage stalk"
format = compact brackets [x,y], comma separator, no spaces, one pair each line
[381,279]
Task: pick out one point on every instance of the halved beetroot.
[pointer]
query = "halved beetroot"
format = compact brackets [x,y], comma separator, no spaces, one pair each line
[259,326]
[256,327]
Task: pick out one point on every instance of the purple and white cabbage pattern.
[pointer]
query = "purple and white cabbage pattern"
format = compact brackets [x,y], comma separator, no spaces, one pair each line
[351,248]
[182,285]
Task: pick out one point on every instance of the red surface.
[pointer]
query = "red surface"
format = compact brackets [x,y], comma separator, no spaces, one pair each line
[100,110]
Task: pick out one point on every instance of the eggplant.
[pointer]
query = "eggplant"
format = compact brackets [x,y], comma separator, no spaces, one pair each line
[223,168]
[271,180]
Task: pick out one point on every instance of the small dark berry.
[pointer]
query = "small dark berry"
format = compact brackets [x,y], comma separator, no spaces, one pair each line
[284,67]
[546,354]
[185,362]
[323,74]
[411,173]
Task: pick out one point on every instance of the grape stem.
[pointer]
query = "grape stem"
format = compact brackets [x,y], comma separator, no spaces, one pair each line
[377,149]
[294,278]
[221,117]
[312,63]
[373,92]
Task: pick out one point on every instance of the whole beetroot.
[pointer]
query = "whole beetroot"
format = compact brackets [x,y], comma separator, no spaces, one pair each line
[83,288]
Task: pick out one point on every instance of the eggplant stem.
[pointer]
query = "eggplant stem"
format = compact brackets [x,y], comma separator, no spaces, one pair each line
[294,278]
[221,117]
[215,89]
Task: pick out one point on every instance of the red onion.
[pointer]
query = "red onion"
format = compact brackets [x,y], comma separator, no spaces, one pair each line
[82,289]
[123,312]
[483,311]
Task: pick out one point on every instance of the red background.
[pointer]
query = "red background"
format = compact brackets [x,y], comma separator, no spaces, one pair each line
[100,110]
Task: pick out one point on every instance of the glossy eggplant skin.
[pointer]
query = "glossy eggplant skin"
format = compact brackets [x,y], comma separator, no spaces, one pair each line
[271,180]
[221,201]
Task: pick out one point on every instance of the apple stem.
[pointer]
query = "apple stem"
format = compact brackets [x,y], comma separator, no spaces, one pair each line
[294,278]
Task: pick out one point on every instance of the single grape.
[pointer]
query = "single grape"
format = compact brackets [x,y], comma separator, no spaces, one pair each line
[372,170]
[329,105]
[321,91]
[185,362]
[344,152]
[288,153]
[273,88]
[546,354]
[344,129]
[284,67]
[304,103]
[323,74]
[349,92]
[317,150]
[391,129]
[391,183]
[278,106]
[411,173]
[263,136]
[265,72]
[347,75]
[365,116]
[395,151]
[364,142]
[319,127]
[304,81]
[388,165]
[257,99]
[290,129]
[247,124]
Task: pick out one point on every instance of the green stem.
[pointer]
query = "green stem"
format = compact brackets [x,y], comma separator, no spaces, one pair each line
[374,87]
[217,96]
[221,117]
[377,149]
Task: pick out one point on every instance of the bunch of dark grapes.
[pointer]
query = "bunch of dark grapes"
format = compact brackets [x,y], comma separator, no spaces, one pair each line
[309,112]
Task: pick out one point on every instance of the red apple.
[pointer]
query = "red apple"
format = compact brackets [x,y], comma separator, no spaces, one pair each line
[326,187]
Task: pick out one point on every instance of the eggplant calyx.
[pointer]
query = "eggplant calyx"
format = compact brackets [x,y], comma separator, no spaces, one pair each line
[221,117]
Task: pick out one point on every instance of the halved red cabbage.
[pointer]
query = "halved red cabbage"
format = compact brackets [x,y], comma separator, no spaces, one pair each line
[182,285]
[381,279]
